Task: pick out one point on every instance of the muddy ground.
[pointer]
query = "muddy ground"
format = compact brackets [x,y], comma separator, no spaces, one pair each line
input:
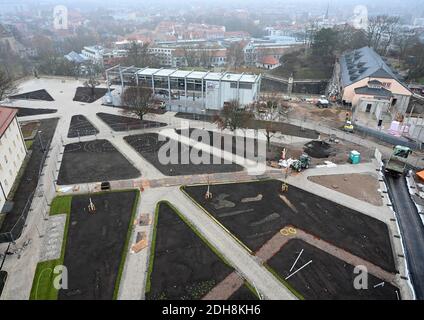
[122,123]
[254,212]
[184,267]
[148,146]
[80,127]
[34,95]
[95,244]
[94,161]
[326,277]
[85,94]
[360,186]
[24,112]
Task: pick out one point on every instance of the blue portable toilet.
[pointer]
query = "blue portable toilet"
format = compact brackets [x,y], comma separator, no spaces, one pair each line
[355,157]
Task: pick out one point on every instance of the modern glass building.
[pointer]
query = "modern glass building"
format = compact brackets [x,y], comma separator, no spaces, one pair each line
[194,90]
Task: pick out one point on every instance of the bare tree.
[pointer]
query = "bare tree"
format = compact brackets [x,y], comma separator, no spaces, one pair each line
[138,99]
[91,83]
[233,117]
[235,55]
[404,43]
[139,55]
[380,32]
[190,57]
[7,86]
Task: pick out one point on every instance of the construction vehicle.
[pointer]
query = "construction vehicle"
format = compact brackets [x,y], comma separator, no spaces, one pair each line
[396,164]
[302,163]
[348,126]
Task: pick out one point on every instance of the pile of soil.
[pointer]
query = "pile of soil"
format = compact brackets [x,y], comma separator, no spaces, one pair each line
[318,149]
[34,95]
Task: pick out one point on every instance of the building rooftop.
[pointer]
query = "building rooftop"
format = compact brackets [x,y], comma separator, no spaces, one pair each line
[380,92]
[363,63]
[6,117]
[212,76]
[269,60]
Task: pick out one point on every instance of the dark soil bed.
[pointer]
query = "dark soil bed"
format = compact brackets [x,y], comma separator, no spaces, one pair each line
[255,221]
[194,116]
[244,293]
[94,161]
[148,145]
[86,94]
[80,127]
[184,267]
[319,149]
[15,220]
[3,277]
[326,277]
[121,123]
[246,147]
[284,128]
[95,244]
[24,112]
[34,95]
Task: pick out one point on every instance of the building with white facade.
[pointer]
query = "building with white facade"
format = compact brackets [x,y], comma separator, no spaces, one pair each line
[192,91]
[12,151]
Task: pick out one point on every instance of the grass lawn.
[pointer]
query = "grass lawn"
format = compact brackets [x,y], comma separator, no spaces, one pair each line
[42,288]
[29,143]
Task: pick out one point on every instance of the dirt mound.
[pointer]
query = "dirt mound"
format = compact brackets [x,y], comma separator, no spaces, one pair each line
[318,149]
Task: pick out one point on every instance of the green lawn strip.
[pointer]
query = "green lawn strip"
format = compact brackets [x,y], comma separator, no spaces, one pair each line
[42,288]
[29,143]
[191,226]
[252,289]
[45,291]
[126,244]
[284,282]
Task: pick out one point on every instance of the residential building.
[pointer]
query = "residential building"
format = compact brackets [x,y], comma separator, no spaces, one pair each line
[268,62]
[367,83]
[12,151]
[103,56]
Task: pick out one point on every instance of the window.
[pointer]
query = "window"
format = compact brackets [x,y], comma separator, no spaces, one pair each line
[5,159]
[369,105]
[6,183]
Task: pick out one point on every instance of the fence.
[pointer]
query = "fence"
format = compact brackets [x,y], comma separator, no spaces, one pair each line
[37,205]
[382,136]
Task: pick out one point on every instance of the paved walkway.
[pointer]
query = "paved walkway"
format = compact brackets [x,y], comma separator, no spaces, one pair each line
[157,187]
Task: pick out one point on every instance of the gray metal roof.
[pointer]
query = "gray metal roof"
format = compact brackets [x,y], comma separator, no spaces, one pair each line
[381,92]
[363,63]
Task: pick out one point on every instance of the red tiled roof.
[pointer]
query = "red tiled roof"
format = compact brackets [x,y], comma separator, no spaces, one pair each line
[269,60]
[6,117]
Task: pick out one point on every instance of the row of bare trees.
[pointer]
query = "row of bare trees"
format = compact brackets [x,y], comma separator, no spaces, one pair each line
[7,86]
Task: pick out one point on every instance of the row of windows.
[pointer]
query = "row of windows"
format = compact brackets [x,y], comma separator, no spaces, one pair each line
[6,158]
